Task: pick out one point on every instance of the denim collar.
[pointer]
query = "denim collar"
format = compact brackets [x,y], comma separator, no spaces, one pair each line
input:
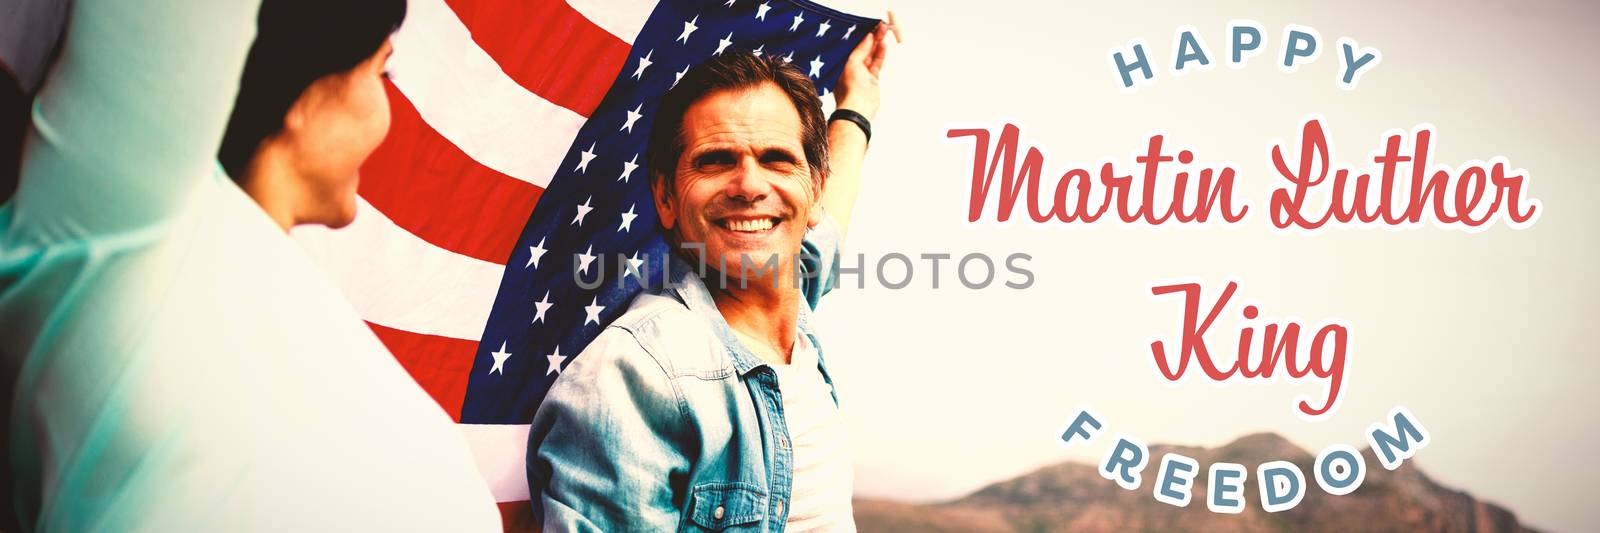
[689,288]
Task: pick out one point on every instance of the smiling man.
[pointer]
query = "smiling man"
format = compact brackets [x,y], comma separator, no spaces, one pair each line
[707,404]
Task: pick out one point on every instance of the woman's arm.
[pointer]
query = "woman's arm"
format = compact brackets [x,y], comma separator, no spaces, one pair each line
[131,115]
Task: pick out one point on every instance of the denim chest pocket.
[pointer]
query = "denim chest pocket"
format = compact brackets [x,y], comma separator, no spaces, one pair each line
[725,506]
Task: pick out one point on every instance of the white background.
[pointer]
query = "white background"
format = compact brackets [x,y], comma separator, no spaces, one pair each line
[1488,338]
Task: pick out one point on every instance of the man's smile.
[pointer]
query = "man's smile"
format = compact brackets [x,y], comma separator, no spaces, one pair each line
[749,224]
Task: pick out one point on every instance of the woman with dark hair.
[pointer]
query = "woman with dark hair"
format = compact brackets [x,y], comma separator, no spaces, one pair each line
[311,107]
[176,362]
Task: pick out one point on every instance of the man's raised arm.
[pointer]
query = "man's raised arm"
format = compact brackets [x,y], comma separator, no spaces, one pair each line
[847,142]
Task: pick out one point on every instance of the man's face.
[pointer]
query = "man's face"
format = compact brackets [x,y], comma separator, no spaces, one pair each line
[743,186]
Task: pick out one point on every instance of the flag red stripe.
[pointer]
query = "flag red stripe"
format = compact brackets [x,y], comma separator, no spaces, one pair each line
[428,186]
[547,47]
[440,364]
[517,517]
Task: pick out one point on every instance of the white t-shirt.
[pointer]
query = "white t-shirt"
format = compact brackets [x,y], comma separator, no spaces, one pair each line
[823,474]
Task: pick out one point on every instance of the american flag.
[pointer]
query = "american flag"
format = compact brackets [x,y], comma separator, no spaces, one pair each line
[515,156]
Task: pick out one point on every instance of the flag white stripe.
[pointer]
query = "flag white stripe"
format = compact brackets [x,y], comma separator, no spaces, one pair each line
[396,279]
[622,18]
[465,96]
[501,453]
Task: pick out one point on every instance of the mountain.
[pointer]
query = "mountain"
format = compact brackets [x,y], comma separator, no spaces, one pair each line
[1073,497]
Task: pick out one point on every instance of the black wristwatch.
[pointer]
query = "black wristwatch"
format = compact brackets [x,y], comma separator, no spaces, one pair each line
[852,116]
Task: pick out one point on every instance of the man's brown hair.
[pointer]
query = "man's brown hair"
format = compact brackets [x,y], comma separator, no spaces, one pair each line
[734,71]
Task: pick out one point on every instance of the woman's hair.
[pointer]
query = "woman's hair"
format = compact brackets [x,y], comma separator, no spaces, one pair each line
[297,42]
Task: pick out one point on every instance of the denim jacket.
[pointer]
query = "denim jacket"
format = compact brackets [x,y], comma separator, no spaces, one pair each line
[666,422]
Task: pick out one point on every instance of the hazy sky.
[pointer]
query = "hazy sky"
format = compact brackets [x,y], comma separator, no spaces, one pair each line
[1487,338]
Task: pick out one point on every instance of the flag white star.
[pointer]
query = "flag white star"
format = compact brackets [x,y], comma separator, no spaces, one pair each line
[679,76]
[757,51]
[627,219]
[583,211]
[633,116]
[761,10]
[826,94]
[635,265]
[788,57]
[798,18]
[816,67]
[848,31]
[555,361]
[500,360]
[627,168]
[585,259]
[644,63]
[729,3]
[534,253]
[585,157]
[723,43]
[688,28]
[541,307]
[591,312]
[823,28]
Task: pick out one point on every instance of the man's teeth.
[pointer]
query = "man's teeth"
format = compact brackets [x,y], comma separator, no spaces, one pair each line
[758,224]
